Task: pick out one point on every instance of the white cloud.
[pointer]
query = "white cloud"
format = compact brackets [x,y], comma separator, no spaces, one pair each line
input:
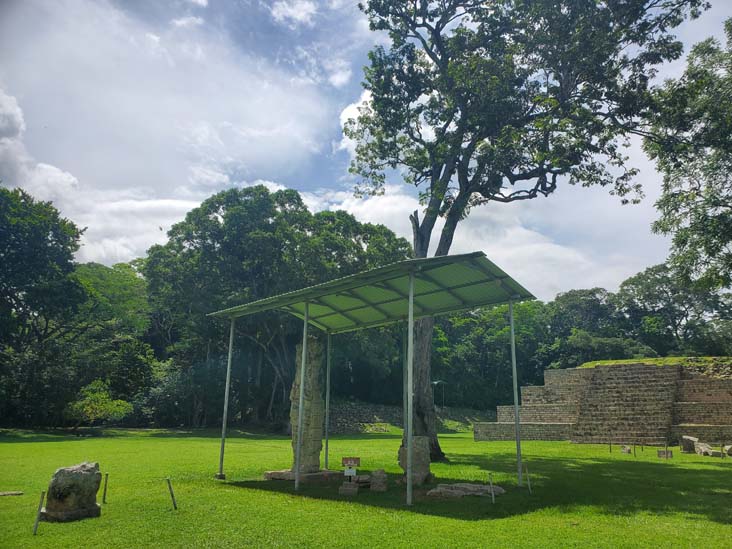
[294,12]
[349,112]
[12,124]
[187,22]
[199,3]
[339,72]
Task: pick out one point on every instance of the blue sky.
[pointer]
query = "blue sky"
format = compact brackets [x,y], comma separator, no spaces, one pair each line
[128,113]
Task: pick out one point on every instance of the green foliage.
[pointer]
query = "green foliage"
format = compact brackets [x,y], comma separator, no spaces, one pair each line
[478,102]
[95,404]
[692,120]
[667,312]
[242,245]
[118,294]
[38,290]
[582,346]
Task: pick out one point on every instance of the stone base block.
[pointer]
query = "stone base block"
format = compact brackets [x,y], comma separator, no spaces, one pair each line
[488,431]
[324,475]
[68,516]
[348,489]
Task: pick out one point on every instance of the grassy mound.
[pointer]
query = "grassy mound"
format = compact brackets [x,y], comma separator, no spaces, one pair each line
[715,366]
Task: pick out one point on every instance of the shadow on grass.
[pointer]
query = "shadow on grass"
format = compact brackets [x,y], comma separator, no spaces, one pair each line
[605,486]
[68,435]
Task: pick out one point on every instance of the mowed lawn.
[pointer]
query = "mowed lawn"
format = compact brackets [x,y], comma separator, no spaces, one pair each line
[583,496]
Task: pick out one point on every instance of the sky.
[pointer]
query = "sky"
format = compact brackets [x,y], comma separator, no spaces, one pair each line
[127,114]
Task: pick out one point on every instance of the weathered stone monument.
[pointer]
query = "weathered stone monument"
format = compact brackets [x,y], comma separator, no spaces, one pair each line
[72,493]
[378,481]
[313,408]
[420,460]
[688,444]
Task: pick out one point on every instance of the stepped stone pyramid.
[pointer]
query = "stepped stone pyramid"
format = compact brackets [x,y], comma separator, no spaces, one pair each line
[622,403]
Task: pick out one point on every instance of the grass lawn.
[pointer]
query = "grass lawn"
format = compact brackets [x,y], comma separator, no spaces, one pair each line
[583,495]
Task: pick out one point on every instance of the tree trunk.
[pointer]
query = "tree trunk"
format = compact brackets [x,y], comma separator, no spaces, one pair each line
[425,419]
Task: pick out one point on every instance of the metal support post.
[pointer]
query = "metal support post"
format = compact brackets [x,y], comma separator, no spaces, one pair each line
[221,474]
[301,403]
[327,396]
[517,420]
[410,390]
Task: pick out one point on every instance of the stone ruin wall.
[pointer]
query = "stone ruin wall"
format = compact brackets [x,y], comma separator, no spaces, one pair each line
[624,403]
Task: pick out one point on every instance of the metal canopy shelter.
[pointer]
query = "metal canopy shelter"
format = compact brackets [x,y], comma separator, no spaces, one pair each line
[402,291]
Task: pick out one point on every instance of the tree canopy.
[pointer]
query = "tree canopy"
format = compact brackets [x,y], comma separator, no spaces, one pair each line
[693,117]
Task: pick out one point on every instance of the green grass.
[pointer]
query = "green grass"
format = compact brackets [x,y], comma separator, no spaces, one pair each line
[698,361]
[583,495]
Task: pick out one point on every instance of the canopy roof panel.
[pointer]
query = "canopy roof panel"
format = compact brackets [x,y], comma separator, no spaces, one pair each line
[380,296]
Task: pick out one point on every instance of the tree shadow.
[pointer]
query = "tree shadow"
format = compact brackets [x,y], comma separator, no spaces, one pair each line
[611,486]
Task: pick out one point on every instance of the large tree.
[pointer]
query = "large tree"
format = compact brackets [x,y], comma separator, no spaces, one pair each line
[694,117]
[476,102]
[241,245]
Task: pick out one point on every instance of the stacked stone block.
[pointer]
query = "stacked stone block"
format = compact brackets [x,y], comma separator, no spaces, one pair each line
[623,403]
[548,412]
[629,403]
[703,408]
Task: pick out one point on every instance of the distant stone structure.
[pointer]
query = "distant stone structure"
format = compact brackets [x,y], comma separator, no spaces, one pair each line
[313,409]
[624,403]
[72,493]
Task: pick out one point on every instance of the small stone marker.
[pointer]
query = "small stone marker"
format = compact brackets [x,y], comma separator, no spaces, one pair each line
[625,450]
[353,481]
[378,481]
[688,444]
[12,493]
[665,454]
[350,464]
[72,493]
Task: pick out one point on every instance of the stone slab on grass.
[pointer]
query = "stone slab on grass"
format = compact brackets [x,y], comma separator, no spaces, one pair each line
[318,476]
[462,489]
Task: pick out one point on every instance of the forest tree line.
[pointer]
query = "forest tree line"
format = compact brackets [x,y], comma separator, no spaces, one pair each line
[131,343]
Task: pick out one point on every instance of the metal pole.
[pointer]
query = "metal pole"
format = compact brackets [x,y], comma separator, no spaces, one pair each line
[515,394]
[221,474]
[405,334]
[410,389]
[327,397]
[301,403]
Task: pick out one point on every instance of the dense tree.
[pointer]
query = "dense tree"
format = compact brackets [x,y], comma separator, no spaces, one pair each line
[38,290]
[666,311]
[40,298]
[238,246]
[477,102]
[694,116]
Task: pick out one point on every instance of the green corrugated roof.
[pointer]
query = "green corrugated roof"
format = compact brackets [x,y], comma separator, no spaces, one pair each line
[380,296]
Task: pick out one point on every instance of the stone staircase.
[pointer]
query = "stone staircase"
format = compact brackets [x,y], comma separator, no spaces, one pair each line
[621,403]
[628,404]
[703,408]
